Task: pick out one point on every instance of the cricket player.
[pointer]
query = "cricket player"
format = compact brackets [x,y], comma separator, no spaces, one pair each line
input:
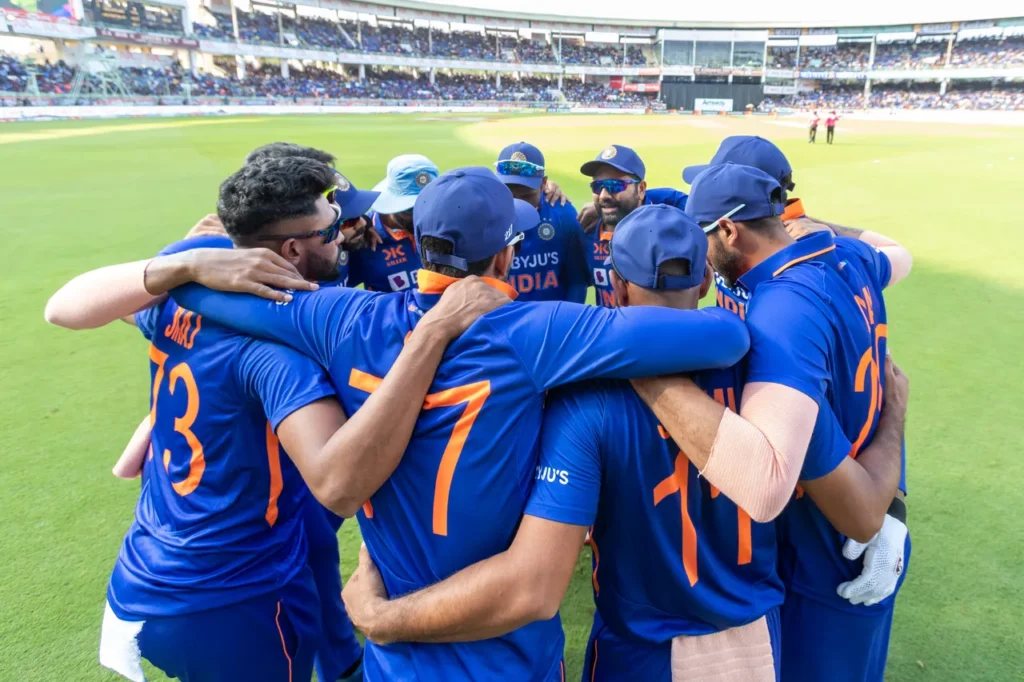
[356,230]
[818,328]
[830,126]
[212,582]
[619,188]
[551,265]
[704,600]
[884,566]
[459,495]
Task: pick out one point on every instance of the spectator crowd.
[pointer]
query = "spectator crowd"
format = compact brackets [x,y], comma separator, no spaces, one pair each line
[982,96]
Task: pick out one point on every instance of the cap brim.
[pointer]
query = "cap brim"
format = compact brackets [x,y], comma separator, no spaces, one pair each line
[532,183]
[592,168]
[358,204]
[388,203]
[691,172]
[527,218]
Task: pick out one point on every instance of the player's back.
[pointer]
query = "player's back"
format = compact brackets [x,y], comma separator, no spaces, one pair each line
[218,517]
[459,492]
[845,285]
[706,566]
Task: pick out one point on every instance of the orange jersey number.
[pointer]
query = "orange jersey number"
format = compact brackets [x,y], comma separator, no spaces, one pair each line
[474,396]
[183,425]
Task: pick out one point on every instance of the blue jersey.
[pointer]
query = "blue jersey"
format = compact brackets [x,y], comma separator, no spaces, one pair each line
[817,322]
[392,266]
[595,247]
[219,517]
[551,265]
[606,461]
[458,494]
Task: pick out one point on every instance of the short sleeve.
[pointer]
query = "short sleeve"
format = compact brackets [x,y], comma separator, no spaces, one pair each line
[870,257]
[789,339]
[206,241]
[828,448]
[148,320]
[667,196]
[283,380]
[568,480]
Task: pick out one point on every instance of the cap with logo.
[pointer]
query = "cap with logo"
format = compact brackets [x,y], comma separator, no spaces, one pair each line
[352,202]
[649,237]
[733,191]
[618,157]
[407,175]
[521,164]
[474,211]
[746,150]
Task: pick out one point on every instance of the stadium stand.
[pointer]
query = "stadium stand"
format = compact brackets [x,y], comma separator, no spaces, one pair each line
[133,15]
[842,57]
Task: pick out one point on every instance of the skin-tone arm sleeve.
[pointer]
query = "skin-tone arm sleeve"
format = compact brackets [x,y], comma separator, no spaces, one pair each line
[754,457]
[900,259]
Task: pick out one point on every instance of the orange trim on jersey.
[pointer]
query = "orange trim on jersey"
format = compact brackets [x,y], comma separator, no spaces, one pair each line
[663,432]
[746,550]
[363,381]
[801,259]
[276,484]
[435,283]
[597,560]
[605,236]
[284,647]
[368,509]
[593,666]
[794,210]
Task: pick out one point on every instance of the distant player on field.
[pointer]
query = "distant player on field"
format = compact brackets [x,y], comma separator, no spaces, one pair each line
[212,582]
[813,123]
[459,494]
[685,583]
[830,126]
[551,265]
[619,188]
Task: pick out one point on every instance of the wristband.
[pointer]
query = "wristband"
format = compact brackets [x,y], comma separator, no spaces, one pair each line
[898,510]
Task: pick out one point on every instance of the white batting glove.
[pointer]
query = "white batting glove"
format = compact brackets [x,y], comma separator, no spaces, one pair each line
[883,564]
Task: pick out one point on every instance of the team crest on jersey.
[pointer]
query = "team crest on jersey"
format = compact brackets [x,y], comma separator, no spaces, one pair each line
[609,153]
[342,182]
[546,231]
[422,179]
[343,257]
[518,156]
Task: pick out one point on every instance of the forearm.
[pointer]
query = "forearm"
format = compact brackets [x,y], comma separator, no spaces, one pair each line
[754,457]
[653,340]
[900,259]
[488,599]
[102,296]
[365,452]
[882,462]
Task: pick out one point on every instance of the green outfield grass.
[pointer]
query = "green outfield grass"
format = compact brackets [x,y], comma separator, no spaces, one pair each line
[77,195]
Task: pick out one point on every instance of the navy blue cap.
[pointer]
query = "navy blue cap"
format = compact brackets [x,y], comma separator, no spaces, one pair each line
[652,235]
[746,150]
[616,156]
[352,202]
[474,211]
[522,151]
[733,191]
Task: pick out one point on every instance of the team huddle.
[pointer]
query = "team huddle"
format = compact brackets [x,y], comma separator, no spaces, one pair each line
[737,470]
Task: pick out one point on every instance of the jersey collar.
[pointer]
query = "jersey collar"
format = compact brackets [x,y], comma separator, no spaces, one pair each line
[384,231]
[431,285]
[794,210]
[818,245]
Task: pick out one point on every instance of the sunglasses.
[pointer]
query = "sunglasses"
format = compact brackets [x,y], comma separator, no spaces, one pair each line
[710,227]
[612,186]
[329,233]
[523,169]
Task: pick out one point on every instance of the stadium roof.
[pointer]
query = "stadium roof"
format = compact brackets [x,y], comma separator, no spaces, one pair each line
[734,14]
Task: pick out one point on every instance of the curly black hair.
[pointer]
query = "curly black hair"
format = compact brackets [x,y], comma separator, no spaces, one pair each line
[270,190]
[279,149]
